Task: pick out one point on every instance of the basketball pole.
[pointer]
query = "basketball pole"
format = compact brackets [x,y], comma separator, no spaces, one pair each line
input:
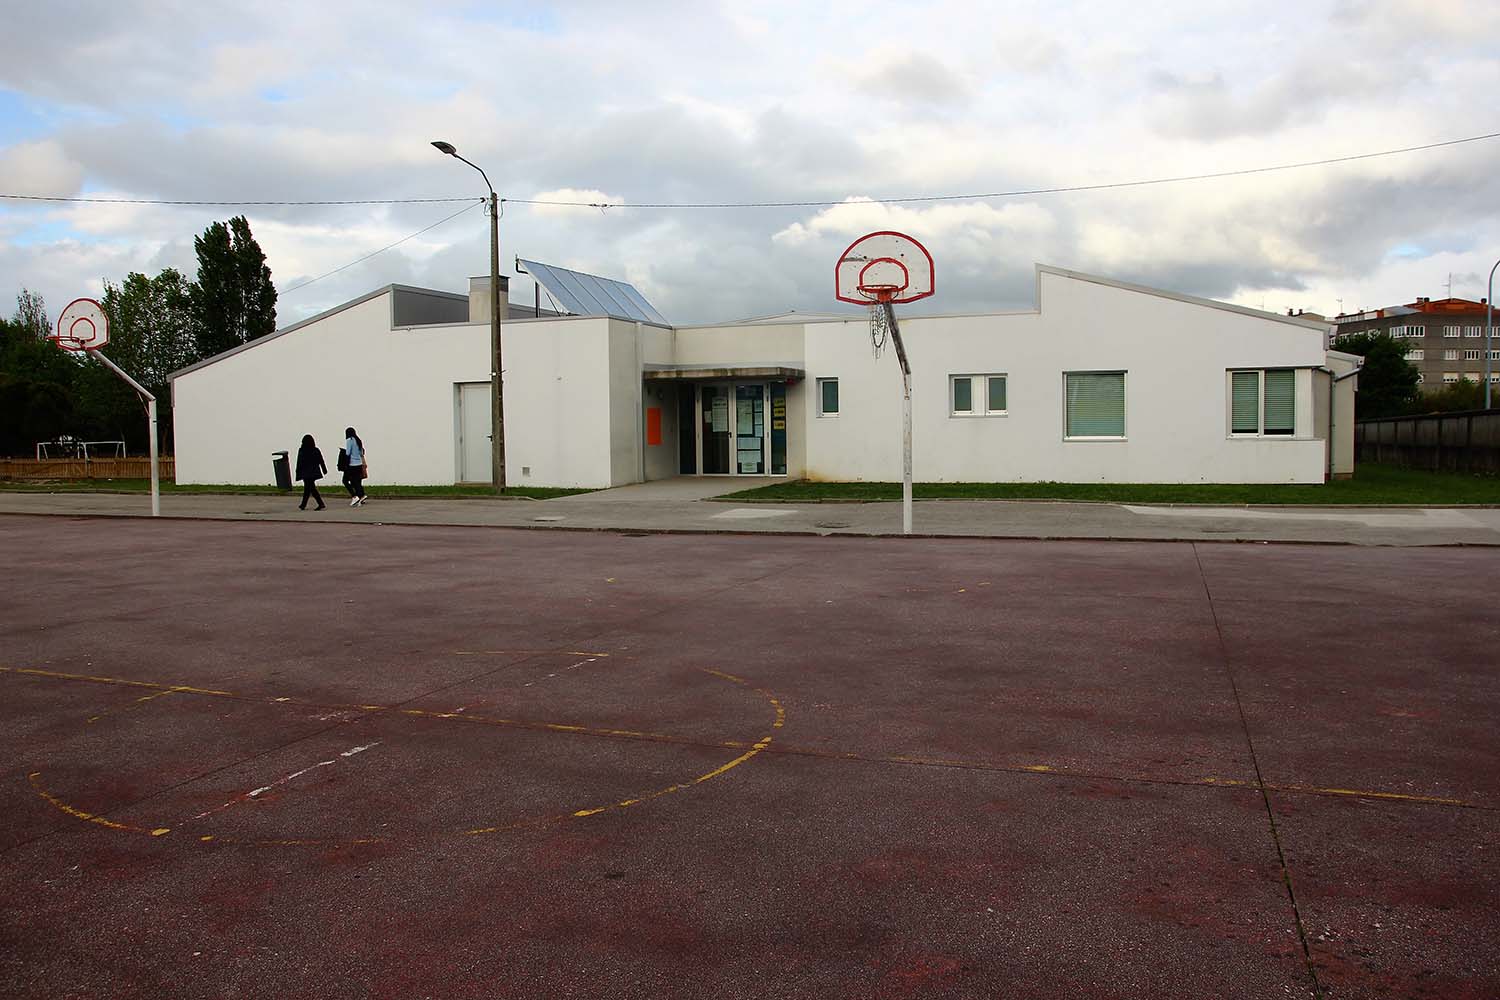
[890,318]
[150,401]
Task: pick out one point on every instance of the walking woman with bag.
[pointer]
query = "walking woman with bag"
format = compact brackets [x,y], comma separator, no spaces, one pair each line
[353,459]
[310,468]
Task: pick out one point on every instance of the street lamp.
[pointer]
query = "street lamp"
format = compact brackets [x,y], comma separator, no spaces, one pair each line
[1489,330]
[497,399]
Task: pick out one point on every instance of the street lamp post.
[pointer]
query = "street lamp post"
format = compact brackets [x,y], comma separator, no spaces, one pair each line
[1489,330]
[497,398]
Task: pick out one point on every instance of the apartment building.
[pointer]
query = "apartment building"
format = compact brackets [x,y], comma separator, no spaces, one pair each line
[1444,338]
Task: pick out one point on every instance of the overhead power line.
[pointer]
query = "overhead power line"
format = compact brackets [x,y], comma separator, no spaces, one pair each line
[389,246]
[806,203]
[1018,193]
[222,204]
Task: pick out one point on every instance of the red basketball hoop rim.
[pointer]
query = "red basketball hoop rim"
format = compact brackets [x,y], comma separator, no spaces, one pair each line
[866,292]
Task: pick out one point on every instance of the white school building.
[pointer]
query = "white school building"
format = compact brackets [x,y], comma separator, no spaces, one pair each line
[1102,381]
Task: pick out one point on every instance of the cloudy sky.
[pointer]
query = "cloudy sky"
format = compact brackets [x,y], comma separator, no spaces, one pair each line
[772,101]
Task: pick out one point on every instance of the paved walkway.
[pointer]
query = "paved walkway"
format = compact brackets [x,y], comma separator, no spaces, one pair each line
[681,505]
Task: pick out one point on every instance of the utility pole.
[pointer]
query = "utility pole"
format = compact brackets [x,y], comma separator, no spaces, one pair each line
[497,387]
[497,397]
[1489,334]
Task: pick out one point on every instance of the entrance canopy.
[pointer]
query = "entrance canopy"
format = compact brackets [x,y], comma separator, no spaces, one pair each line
[700,373]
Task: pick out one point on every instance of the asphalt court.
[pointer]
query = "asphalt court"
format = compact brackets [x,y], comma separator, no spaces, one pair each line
[243,759]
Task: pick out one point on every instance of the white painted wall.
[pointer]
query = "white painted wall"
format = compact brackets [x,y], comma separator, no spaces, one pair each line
[749,344]
[396,387]
[1175,354]
[575,402]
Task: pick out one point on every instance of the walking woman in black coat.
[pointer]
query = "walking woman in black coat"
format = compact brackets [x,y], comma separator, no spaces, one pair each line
[310,469]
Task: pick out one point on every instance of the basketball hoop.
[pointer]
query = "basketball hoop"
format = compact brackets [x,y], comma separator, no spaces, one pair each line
[82,326]
[880,270]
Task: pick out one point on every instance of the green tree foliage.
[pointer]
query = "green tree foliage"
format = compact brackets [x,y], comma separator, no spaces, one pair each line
[234,298]
[36,380]
[1387,383]
[152,333]
[1461,395]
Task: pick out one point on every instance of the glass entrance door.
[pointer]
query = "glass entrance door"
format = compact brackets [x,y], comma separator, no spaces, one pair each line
[750,429]
[717,432]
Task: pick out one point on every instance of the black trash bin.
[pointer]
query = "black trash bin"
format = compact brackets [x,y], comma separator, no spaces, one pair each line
[283,467]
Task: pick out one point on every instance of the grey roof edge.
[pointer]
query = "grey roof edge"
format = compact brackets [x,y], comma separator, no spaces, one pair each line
[1306,324]
[811,319]
[456,296]
[361,300]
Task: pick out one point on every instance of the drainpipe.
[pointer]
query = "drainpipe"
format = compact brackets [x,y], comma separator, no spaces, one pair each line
[1333,379]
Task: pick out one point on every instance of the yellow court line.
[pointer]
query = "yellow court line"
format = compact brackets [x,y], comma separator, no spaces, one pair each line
[144,698]
[1359,793]
[753,750]
[757,748]
[165,688]
[35,777]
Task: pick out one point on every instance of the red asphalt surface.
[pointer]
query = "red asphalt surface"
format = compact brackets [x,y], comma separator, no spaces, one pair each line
[448,762]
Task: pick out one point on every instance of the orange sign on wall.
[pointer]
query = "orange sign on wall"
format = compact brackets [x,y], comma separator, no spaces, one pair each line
[653,425]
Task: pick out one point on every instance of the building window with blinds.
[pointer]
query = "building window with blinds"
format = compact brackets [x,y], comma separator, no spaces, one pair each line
[1263,403]
[1095,404]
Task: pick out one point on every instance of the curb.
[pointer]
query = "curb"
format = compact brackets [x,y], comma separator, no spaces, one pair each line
[750,533]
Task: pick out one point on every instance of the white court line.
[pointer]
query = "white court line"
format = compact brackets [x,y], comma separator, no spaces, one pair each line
[257,792]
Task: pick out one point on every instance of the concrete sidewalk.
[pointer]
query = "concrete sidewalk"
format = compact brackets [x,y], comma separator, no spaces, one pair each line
[678,507]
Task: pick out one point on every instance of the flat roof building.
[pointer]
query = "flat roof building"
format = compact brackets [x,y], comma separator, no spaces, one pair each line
[1103,381]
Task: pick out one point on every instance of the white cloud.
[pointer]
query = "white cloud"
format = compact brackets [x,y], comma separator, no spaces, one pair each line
[39,168]
[718,102]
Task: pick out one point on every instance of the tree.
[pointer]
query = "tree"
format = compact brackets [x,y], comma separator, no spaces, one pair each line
[1387,383]
[1457,396]
[234,299]
[36,380]
[153,332]
[31,315]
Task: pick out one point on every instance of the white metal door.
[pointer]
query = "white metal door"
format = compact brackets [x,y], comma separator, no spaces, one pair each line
[474,448]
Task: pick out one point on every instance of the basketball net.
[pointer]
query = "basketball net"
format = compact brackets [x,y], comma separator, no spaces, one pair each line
[880,321]
[880,328]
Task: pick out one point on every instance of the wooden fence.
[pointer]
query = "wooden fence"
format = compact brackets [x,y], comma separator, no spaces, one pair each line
[1449,442]
[77,468]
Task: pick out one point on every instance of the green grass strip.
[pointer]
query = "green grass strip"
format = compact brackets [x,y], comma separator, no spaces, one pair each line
[1372,485]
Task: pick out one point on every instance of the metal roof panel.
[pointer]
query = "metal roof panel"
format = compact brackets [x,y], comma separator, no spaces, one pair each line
[590,295]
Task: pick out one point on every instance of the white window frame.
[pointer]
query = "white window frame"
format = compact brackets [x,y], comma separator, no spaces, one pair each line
[1124,397]
[1474,331]
[1260,405]
[1453,331]
[818,386]
[1450,378]
[1450,355]
[1416,354]
[1473,355]
[979,395]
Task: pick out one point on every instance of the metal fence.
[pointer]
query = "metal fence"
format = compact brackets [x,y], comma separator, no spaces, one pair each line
[1450,442]
[78,468]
